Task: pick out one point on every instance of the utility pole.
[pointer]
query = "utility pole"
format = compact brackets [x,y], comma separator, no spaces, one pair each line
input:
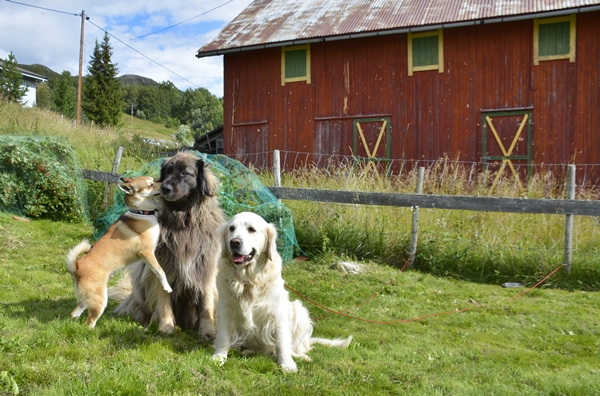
[80,69]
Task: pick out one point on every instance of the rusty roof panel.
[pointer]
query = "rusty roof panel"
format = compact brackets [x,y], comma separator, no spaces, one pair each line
[273,22]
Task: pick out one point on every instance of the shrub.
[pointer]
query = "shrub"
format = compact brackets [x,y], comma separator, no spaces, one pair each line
[40,178]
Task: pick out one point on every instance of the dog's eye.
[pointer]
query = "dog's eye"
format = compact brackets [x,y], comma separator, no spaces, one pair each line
[231,228]
[251,230]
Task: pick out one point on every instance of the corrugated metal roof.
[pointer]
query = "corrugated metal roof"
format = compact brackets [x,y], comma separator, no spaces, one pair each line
[276,22]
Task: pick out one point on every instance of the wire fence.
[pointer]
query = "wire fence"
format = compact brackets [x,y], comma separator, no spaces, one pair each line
[443,175]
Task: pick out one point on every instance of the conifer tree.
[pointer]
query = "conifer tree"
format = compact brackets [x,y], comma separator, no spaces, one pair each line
[64,95]
[11,81]
[102,100]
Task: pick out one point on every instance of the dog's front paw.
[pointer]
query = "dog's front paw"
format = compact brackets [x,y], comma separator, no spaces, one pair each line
[208,337]
[207,332]
[289,366]
[304,357]
[219,358]
[166,327]
[167,288]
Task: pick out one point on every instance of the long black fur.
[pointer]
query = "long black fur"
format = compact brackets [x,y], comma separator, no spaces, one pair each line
[188,249]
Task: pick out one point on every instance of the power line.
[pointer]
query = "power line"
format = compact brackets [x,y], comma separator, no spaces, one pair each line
[177,24]
[43,8]
[150,59]
[121,41]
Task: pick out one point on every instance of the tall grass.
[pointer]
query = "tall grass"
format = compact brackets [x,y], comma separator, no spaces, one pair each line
[476,246]
[95,147]
[484,247]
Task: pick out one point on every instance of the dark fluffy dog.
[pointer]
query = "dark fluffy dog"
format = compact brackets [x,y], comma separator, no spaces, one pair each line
[188,251]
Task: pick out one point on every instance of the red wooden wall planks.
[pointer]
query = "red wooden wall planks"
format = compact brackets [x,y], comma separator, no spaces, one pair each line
[432,114]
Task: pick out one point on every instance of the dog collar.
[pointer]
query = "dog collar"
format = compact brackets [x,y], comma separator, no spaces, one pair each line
[143,212]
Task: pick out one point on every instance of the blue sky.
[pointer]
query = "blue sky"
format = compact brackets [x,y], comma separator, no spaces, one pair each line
[48,33]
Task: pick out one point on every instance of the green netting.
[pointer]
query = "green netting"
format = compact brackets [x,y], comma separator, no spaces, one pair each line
[241,191]
[41,178]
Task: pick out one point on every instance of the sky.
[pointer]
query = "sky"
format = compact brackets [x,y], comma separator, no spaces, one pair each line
[157,39]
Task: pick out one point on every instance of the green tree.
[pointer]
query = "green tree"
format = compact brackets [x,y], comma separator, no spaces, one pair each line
[43,96]
[11,80]
[130,98]
[64,95]
[201,110]
[102,99]
[184,135]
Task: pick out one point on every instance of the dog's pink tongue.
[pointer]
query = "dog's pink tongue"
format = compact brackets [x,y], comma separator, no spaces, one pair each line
[237,258]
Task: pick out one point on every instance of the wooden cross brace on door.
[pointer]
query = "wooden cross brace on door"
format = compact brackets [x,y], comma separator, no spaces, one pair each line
[371,154]
[507,153]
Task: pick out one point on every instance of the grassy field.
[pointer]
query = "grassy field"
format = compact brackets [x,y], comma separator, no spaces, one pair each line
[95,147]
[543,343]
[445,328]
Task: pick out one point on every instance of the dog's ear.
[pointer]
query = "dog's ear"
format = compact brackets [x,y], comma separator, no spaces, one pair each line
[126,187]
[200,179]
[271,242]
[162,170]
[222,237]
[206,182]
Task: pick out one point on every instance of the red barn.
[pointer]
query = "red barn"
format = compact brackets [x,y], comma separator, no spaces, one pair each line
[486,81]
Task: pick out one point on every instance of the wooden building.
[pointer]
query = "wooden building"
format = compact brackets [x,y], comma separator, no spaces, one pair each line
[509,84]
[30,80]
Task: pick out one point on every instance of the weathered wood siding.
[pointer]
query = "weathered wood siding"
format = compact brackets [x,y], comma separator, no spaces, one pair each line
[432,114]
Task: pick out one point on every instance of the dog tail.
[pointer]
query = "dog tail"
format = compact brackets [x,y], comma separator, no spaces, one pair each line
[83,247]
[338,342]
[122,289]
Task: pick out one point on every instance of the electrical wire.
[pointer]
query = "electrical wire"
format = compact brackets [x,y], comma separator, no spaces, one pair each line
[124,43]
[43,8]
[177,24]
[145,56]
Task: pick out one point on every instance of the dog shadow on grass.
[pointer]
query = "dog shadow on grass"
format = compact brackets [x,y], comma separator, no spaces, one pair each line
[121,331]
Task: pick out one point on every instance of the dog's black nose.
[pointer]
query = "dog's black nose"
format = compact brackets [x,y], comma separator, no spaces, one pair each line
[235,243]
[165,189]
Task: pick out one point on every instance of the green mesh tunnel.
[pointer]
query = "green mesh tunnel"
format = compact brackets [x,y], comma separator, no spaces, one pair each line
[241,191]
[41,178]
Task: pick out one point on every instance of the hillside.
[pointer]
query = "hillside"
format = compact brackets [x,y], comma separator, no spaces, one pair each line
[132,79]
[125,80]
[40,69]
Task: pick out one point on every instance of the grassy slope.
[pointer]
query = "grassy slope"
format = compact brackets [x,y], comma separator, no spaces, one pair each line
[545,342]
[135,126]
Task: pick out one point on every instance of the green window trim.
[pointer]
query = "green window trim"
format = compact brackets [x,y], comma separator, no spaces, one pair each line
[426,51]
[554,38]
[295,64]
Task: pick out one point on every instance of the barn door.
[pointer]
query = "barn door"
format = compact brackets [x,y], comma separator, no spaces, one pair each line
[507,144]
[249,143]
[371,143]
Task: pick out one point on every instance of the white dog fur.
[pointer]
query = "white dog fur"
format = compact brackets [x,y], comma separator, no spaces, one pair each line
[254,313]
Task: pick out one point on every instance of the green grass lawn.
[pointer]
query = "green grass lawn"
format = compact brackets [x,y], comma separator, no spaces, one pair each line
[543,343]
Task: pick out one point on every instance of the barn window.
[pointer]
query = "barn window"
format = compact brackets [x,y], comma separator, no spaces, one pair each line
[426,51]
[295,64]
[554,38]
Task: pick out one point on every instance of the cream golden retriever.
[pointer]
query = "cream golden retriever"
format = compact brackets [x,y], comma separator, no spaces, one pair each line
[254,312]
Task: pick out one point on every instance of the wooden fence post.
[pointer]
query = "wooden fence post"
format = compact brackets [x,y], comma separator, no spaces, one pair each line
[569,220]
[115,169]
[276,168]
[414,233]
